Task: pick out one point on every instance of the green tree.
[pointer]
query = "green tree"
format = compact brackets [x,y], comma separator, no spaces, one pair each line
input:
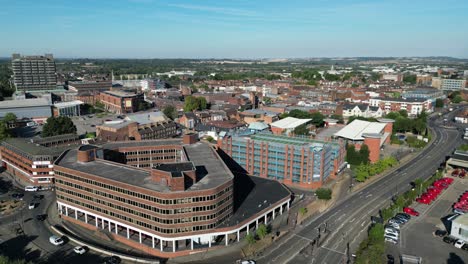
[403,113]
[301,130]
[4,131]
[209,138]
[410,78]
[6,260]
[364,154]
[99,104]
[9,117]
[324,193]
[439,103]
[250,239]
[262,231]
[58,126]
[419,125]
[170,111]
[457,99]
[194,103]
[303,211]
[352,156]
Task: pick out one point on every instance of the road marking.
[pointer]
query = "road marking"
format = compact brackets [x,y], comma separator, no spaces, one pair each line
[336,251]
[370,195]
[304,237]
[352,220]
[363,223]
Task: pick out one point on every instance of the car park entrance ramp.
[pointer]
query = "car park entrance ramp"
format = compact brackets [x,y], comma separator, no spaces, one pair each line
[410,259]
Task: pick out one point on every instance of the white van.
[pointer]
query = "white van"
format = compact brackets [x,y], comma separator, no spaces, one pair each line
[31,188]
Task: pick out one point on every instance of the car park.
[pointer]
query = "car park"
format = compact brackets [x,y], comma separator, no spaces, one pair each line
[79,250]
[56,241]
[411,211]
[459,243]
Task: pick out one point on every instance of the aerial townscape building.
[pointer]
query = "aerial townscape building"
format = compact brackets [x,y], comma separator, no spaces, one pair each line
[121,102]
[165,197]
[32,73]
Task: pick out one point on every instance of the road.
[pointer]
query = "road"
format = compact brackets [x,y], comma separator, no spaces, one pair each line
[349,220]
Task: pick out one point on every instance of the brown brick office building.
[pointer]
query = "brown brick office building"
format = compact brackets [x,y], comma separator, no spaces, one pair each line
[121,102]
[166,197]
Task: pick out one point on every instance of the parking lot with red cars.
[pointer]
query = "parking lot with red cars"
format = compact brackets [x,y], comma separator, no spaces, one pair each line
[433,208]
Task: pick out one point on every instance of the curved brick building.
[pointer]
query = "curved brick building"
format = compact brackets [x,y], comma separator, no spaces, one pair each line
[166,197]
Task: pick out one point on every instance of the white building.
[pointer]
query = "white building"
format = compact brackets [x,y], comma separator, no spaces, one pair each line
[459,228]
[361,110]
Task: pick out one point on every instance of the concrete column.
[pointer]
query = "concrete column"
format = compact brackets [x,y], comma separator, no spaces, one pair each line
[238,235]
[103,223]
[66,211]
[96,219]
[209,242]
[256,224]
[86,218]
[76,214]
[274,213]
[266,218]
[281,209]
[116,229]
[173,245]
[248,227]
[139,234]
[110,228]
[161,245]
[191,244]
[287,205]
[226,238]
[152,238]
[128,233]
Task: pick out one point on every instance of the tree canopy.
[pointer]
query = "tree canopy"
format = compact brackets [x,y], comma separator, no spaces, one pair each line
[58,126]
[170,111]
[194,103]
[317,117]
[439,103]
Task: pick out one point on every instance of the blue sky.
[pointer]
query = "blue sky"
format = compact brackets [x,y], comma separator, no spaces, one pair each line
[234,29]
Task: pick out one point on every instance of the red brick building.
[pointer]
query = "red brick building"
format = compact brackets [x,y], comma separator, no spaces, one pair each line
[121,102]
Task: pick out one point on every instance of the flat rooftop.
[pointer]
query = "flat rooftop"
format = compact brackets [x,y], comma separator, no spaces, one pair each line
[37,102]
[28,146]
[357,128]
[210,169]
[253,195]
[120,93]
[289,123]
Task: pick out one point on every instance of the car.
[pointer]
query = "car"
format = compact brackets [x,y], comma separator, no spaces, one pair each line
[459,243]
[248,262]
[31,188]
[392,236]
[32,205]
[465,247]
[38,196]
[404,215]
[108,120]
[391,233]
[18,196]
[93,125]
[395,226]
[112,260]
[79,250]
[395,221]
[390,259]
[41,217]
[423,200]
[56,240]
[401,218]
[391,240]
[390,228]
[440,233]
[449,240]
[410,211]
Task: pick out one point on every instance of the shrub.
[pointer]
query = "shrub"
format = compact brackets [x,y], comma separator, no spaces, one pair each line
[324,193]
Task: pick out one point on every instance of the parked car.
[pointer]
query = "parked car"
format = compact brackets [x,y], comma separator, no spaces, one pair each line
[41,217]
[404,215]
[390,259]
[459,243]
[56,241]
[395,226]
[465,247]
[31,188]
[250,261]
[449,240]
[410,211]
[391,240]
[423,200]
[401,218]
[392,236]
[440,233]
[112,260]
[18,196]
[38,196]
[79,250]
[396,221]
[32,205]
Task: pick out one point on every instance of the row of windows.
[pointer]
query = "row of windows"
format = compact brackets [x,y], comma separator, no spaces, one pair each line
[140,195]
[146,152]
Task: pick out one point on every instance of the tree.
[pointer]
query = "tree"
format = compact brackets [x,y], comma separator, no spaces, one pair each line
[58,126]
[364,154]
[303,211]
[403,113]
[324,193]
[250,239]
[301,130]
[262,231]
[9,117]
[439,103]
[210,139]
[457,99]
[194,103]
[419,126]
[338,117]
[170,111]
[4,131]
[410,78]
[99,104]
[6,260]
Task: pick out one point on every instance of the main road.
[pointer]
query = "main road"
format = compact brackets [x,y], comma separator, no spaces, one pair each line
[349,220]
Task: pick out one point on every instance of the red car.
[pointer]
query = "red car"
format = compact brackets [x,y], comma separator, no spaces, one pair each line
[410,211]
[447,180]
[423,200]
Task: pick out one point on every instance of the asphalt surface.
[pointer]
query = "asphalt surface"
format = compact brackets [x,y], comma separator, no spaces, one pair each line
[349,220]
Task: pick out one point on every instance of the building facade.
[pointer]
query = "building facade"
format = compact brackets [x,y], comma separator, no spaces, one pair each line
[31,73]
[414,106]
[294,161]
[121,102]
[449,84]
[179,205]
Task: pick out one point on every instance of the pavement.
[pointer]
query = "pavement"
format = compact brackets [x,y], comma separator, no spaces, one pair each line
[349,220]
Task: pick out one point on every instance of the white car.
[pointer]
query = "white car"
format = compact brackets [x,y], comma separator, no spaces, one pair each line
[56,241]
[391,240]
[79,250]
[395,226]
[392,236]
[32,205]
[31,188]
[248,262]
[459,243]
[391,232]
